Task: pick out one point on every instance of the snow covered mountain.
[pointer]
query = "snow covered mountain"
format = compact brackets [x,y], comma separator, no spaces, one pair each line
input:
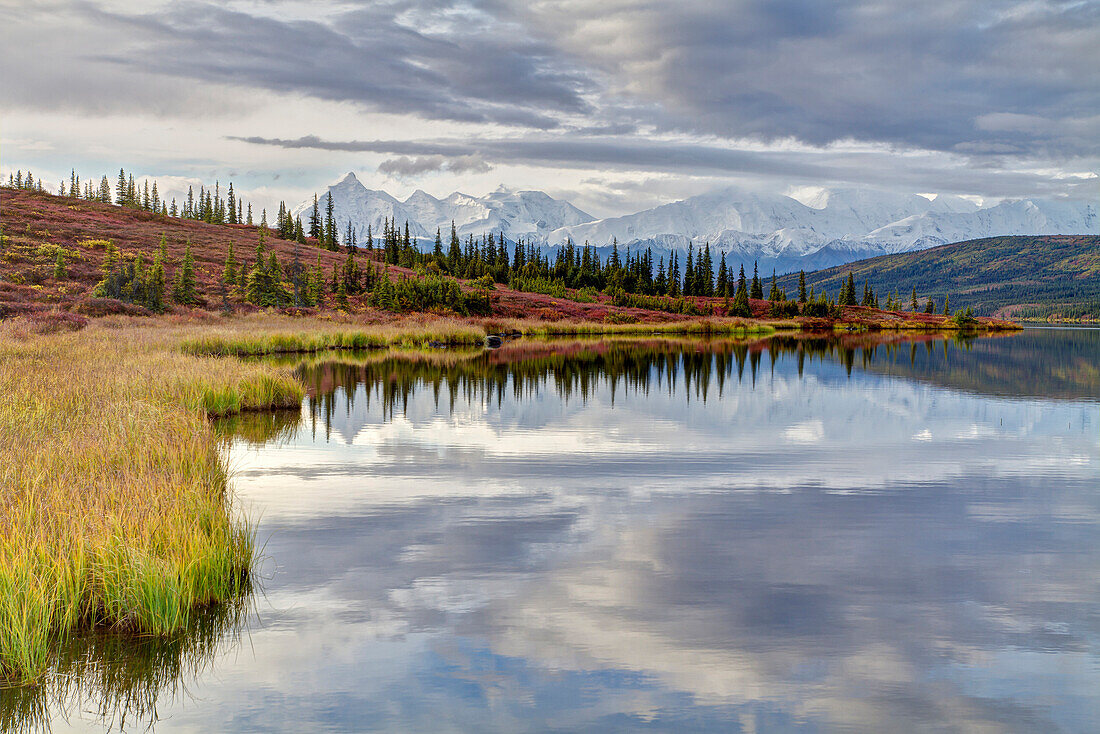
[778,232]
[836,227]
[531,215]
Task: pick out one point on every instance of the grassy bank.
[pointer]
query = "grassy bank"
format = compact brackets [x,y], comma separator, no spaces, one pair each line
[257,336]
[115,507]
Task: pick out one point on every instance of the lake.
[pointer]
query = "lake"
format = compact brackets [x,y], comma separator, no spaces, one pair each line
[788,534]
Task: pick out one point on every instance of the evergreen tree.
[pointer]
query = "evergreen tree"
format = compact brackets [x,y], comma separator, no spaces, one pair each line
[913,304]
[183,290]
[158,281]
[330,224]
[689,273]
[231,205]
[437,248]
[315,220]
[723,287]
[229,275]
[847,295]
[740,305]
[756,291]
[802,297]
[454,252]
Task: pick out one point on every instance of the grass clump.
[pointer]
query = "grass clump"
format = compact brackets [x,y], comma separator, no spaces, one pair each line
[267,337]
[114,509]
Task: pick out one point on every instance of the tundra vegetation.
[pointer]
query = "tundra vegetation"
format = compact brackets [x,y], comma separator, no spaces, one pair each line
[207,256]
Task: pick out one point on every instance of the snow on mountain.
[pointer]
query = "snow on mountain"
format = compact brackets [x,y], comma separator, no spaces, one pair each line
[832,227]
[780,232]
[1009,217]
[527,214]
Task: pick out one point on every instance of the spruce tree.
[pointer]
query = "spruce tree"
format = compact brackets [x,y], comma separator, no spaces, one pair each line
[704,273]
[120,188]
[802,297]
[183,290]
[229,275]
[689,273]
[757,291]
[740,305]
[231,205]
[773,294]
[315,220]
[454,252]
[848,292]
[330,224]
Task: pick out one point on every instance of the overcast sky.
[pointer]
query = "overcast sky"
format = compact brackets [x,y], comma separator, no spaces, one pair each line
[616,105]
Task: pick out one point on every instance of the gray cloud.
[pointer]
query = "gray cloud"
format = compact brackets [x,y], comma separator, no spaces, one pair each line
[979,91]
[367,56]
[406,166]
[878,168]
[881,70]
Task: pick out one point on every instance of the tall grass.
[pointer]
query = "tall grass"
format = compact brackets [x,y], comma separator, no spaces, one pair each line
[272,337]
[114,509]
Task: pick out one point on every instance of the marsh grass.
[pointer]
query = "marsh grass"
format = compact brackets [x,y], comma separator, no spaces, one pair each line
[114,503]
[267,337]
[121,679]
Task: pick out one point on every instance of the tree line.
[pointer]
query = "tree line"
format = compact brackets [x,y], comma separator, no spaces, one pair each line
[631,278]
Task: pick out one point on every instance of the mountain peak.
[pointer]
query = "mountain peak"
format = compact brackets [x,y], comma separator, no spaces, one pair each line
[348,181]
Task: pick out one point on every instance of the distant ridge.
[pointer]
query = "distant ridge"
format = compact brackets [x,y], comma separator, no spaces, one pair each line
[1019,277]
[776,232]
[526,214]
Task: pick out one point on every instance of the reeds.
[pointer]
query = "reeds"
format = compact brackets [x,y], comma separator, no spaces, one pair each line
[271,337]
[114,510]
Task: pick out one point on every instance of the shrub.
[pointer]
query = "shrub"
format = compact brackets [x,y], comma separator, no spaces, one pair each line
[485,282]
[783,309]
[53,322]
[109,307]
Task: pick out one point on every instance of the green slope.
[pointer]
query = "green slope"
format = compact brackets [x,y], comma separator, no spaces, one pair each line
[1020,276]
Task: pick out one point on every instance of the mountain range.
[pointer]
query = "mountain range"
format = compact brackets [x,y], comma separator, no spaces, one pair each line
[778,232]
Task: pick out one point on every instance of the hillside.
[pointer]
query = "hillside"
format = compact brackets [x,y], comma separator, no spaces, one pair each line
[37,225]
[1014,277]
[40,230]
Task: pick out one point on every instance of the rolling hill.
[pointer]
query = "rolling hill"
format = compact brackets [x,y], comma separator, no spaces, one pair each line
[1019,277]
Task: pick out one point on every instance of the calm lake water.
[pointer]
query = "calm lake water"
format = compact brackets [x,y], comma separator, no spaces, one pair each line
[696,536]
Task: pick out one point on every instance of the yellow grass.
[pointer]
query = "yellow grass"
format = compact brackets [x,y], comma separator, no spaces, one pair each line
[113,485]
